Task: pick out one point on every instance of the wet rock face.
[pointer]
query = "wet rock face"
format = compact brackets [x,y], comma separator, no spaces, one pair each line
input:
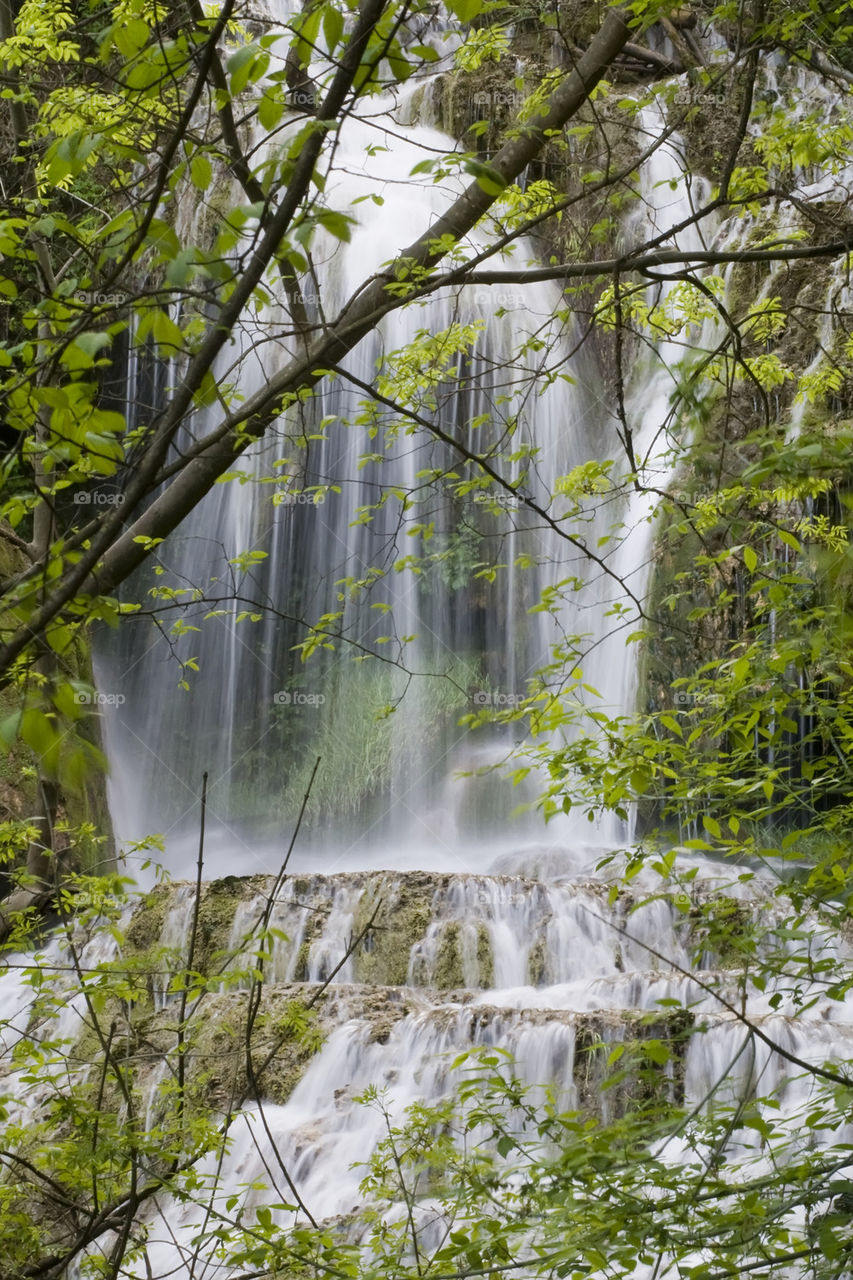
[325,1006]
[434,931]
[298,1031]
[420,929]
[394,1032]
[401,972]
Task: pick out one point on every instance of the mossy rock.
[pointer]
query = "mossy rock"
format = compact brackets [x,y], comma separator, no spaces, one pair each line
[448,970]
[640,1075]
[485,957]
[146,923]
[402,921]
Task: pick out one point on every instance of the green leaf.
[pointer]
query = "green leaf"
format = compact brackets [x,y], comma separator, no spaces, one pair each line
[201,171]
[130,35]
[179,268]
[657,1051]
[270,109]
[488,178]
[671,723]
[83,351]
[465,10]
[337,224]
[333,26]
[159,326]
[241,66]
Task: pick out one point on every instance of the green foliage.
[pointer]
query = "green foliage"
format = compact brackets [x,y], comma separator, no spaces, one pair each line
[744,755]
[483,44]
[144,1117]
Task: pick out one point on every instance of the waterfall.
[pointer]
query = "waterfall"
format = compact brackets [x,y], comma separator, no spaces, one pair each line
[254,716]
[400,783]
[556,974]
[443,925]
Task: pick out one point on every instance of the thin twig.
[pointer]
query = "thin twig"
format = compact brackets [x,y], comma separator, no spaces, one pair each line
[191,950]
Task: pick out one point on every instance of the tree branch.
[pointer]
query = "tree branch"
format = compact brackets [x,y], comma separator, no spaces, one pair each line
[360,318]
[661,258]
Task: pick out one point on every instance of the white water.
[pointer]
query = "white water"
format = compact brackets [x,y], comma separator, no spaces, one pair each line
[557,950]
[597,963]
[255,717]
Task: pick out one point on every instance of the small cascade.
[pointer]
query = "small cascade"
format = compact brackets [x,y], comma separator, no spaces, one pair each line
[543,944]
[557,974]
[42,1003]
[174,941]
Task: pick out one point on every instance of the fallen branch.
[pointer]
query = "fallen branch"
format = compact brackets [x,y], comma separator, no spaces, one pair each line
[671,66]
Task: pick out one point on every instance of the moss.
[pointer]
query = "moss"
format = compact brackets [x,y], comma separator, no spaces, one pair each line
[146,923]
[402,921]
[219,902]
[447,971]
[283,1045]
[485,957]
[537,963]
[636,1077]
[300,970]
[281,1052]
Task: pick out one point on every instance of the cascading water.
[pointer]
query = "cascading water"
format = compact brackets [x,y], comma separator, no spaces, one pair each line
[254,716]
[534,963]
[540,970]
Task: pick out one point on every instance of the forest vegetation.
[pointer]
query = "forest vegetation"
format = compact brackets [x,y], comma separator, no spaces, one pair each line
[177,197]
